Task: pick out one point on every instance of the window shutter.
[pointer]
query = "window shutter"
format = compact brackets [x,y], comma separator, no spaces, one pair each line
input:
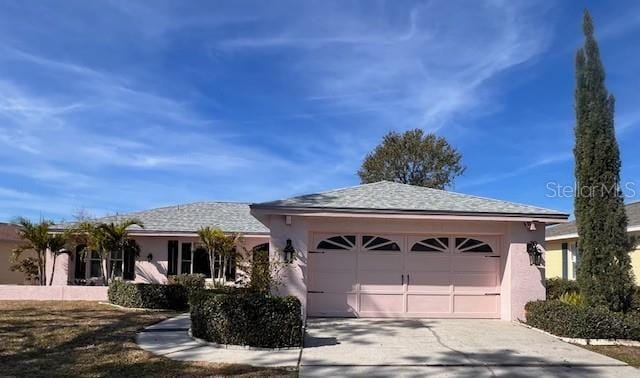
[129,266]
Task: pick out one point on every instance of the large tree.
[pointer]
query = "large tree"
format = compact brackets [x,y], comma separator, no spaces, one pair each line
[604,274]
[413,157]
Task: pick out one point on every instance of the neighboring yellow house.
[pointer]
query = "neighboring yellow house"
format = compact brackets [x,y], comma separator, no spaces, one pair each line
[562,248]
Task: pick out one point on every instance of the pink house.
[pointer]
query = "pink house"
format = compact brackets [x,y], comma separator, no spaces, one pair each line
[375,250]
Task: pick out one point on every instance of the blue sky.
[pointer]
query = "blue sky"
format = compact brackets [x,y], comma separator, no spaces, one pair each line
[113,106]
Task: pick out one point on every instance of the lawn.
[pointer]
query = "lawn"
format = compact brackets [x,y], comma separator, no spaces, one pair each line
[90,339]
[628,354]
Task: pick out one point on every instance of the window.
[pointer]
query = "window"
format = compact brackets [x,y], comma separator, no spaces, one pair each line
[575,260]
[95,265]
[186,258]
[172,249]
[472,245]
[377,243]
[343,242]
[201,262]
[431,245]
[230,268]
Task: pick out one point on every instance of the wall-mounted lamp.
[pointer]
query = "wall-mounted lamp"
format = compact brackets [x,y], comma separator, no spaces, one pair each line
[535,254]
[289,252]
[150,257]
[531,226]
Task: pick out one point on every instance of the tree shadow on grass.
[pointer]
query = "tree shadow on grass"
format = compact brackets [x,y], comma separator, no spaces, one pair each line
[93,343]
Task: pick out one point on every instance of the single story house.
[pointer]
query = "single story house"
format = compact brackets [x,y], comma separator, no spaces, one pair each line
[10,240]
[563,252]
[375,250]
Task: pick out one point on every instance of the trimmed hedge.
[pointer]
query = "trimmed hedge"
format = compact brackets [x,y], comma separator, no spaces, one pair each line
[566,320]
[192,282]
[558,286]
[245,318]
[154,296]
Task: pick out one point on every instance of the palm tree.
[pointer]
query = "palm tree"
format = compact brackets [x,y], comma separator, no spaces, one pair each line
[106,239]
[116,241]
[36,238]
[57,245]
[218,244]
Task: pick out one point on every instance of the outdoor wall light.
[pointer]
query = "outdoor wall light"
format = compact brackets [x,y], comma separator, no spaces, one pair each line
[535,254]
[289,252]
[150,257]
[531,226]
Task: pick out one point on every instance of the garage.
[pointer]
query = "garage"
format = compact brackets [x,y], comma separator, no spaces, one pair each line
[394,250]
[372,275]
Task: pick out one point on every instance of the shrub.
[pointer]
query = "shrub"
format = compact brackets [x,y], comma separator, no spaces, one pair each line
[572,298]
[154,296]
[567,320]
[191,282]
[558,286]
[246,318]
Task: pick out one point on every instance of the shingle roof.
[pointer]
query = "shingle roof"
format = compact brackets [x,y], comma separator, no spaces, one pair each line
[228,216]
[633,215]
[386,196]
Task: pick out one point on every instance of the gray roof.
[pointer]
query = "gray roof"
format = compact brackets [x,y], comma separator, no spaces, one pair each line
[633,216]
[227,216]
[392,197]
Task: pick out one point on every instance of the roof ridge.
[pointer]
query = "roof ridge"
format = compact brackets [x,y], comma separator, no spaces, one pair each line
[472,195]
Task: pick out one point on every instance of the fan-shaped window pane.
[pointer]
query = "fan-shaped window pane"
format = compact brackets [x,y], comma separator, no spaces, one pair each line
[343,242]
[377,243]
[472,245]
[431,245]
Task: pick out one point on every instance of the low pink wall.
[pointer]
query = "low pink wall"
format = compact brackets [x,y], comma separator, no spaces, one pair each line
[53,293]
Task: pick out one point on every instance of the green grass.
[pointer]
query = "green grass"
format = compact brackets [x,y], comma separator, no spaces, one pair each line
[628,354]
[91,340]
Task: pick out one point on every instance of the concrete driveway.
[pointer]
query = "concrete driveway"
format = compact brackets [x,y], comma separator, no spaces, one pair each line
[445,348]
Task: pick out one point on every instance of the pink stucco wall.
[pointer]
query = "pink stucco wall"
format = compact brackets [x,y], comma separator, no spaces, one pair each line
[149,269]
[53,293]
[519,283]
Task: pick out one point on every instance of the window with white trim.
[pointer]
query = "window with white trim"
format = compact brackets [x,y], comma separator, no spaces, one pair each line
[340,242]
[439,244]
[95,265]
[378,243]
[472,245]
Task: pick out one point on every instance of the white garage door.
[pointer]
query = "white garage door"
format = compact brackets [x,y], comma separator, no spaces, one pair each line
[370,275]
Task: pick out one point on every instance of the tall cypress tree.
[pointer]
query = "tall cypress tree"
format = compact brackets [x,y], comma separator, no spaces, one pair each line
[604,274]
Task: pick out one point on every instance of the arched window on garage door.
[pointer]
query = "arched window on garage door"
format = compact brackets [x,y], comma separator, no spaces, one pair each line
[440,244]
[340,242]
[465,245]
[378,243]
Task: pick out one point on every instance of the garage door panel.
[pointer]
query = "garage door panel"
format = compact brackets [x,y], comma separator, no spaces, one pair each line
[438,282]
[428,304]
[427,262]
[481,282]
[470,263]
[333,261]
[476,304]
[332,304]
[380,281]
[335,282]
[380,261]
[381,303]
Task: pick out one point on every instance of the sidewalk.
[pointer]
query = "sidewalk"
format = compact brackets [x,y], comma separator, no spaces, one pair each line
[170,339]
